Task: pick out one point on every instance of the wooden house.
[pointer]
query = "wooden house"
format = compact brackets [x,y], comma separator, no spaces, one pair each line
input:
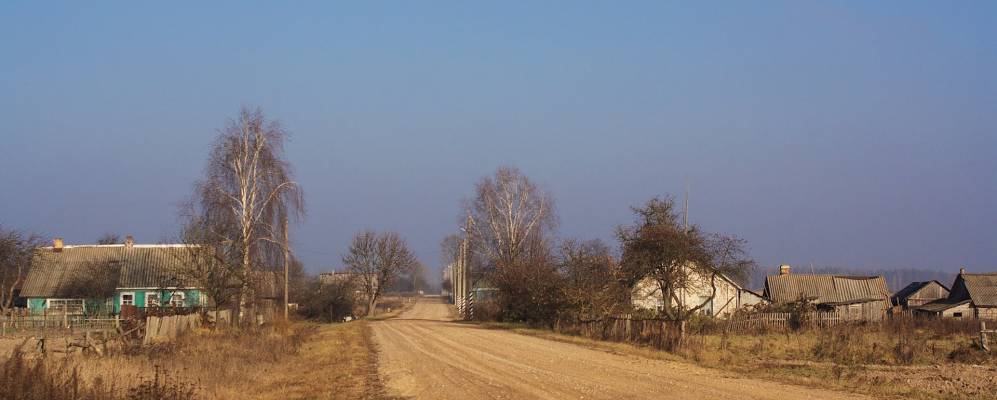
[100,279]
[919,293]
[972,296]
[852,297]
[729,296]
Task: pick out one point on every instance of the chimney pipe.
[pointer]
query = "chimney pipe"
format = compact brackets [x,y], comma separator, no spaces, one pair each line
[784,269]
[57,244]
[129,241]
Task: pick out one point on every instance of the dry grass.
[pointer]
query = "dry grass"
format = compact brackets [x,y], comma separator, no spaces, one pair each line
[913,361]
[300,361]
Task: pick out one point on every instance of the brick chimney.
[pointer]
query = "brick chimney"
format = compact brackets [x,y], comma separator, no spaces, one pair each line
[129,241]
[784,269]
[57,244]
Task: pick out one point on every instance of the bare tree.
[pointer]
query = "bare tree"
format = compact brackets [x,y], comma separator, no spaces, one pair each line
[247,192]
[592,285]
[109,238]
[376,261]
[677,257]
[510,216]
[16,251]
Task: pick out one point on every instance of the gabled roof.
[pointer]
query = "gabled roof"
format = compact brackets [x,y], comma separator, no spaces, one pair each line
[940,305]
[62,273]
[913,288]
[982,288]
[826,289]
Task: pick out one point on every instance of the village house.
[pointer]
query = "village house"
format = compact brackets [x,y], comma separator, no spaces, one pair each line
[100,279]
[972,296]
[852,297]
[729,297]
[919,293]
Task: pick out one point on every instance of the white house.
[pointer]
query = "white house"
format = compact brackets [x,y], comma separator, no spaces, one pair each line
[729,297]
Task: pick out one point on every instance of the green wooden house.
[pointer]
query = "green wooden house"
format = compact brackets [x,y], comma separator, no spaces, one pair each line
[99,279]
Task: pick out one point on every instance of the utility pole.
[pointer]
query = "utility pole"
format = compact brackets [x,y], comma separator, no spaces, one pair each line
[287,251]
[686,212]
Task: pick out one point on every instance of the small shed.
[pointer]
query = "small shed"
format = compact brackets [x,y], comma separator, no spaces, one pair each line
[920,293]
[854,297]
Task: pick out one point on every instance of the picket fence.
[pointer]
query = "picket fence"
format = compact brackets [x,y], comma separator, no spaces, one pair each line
[751,323]
[15,323]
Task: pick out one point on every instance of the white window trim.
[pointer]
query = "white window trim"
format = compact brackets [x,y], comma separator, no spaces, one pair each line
[156,295]
[83,303]
[121,298]
[183,298]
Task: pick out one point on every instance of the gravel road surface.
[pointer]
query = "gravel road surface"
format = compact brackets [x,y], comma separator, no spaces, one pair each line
[425,355]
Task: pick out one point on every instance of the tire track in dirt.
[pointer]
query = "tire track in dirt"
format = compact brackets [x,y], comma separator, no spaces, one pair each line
[423,355]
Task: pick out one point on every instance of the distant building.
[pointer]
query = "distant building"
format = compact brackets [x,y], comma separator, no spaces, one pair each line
[972,296]
[728,298]
[853,297]
[919,293]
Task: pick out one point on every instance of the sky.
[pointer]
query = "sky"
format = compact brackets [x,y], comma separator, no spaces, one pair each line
[850,134]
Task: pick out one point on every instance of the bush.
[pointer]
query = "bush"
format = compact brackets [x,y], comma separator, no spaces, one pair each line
[328,302]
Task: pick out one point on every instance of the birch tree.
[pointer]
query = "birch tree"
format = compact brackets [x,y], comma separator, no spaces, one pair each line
[509,217]
[247,193]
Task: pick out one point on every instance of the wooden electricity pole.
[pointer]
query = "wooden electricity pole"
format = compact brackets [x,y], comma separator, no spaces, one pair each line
[287,251]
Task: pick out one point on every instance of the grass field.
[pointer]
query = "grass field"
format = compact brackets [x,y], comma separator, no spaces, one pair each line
[334,361]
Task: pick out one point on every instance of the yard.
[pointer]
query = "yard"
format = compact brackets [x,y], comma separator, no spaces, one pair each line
[307,361]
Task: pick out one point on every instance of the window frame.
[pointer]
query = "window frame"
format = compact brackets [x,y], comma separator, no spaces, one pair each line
[121,298]
[183,299]
[155,295]
[79,308]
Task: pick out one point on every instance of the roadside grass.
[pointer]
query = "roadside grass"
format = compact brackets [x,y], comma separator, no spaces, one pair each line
[300,361]
[855,360]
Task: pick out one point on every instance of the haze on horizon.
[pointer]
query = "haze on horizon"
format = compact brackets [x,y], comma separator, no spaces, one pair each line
[848,134]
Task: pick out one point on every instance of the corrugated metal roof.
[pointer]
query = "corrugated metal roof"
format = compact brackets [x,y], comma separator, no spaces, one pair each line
[826,289]
[54,274]
[940,305]
[982,289]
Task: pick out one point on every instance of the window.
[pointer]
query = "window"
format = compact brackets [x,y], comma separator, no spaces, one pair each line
[128,299]
[152,299]
[957,315]
[65,306]
[176,299]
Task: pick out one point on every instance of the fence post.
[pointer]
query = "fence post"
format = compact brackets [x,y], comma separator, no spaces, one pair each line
[983,336]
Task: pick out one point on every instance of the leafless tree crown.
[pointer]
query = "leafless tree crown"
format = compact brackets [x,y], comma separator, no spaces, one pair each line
[509,217]
[16,251]
[376,261]
[247,193]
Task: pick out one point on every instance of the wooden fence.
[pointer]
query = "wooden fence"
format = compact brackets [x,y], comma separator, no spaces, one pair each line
[169,327]
[658,333]
[781,322]
[17,323]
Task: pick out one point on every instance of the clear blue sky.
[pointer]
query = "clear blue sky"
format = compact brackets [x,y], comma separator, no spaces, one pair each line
[846,134]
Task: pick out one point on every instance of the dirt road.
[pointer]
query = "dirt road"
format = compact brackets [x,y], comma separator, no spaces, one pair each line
[424,355]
